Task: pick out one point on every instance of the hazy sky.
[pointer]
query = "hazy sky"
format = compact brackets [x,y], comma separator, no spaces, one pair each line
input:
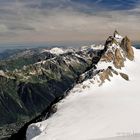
[67,20]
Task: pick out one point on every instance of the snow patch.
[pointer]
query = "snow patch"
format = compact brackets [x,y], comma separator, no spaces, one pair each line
[57,51]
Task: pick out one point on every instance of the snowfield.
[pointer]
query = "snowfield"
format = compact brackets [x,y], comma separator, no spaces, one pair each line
[108,112]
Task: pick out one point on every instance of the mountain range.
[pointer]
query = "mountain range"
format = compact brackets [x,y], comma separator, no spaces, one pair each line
[32,79]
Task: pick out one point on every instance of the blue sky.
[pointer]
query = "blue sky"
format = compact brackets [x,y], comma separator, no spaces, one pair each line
[111,4]
[67,20]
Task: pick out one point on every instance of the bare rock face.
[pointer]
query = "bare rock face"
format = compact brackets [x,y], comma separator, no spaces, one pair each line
[105,75]
[124,76]
[117,49]
[118,59]
[115,33]
[108,57]
[128,50]
[110,41]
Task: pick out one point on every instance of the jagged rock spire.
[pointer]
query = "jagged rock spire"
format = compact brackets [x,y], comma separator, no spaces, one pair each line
[126,46]
[117,49]
[116,33]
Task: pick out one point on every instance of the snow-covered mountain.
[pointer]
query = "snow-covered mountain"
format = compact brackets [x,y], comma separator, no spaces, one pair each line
[32,80]
[104,105]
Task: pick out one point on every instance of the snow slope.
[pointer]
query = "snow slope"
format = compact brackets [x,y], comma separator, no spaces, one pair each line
[97,113]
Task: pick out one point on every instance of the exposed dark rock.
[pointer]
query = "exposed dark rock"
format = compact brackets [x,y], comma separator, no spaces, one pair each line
[105,75]
[108,56]
[118,59]
[110,41]
[128,50]
[115,33]
[124,76]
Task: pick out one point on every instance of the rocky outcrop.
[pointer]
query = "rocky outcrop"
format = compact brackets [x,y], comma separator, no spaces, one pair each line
[118,59]
[105,75]
[108,57]
[128,50]
[124,76]
[117,50]
[110,41]
[116,33]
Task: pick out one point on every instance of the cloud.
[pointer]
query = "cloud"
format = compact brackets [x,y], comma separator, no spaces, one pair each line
[66,20]
[3,28]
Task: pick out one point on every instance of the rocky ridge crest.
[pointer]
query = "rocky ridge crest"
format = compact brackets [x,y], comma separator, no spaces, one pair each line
[117,50]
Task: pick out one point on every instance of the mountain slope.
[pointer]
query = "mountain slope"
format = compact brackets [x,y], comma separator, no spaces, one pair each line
[104,106]
[28,90]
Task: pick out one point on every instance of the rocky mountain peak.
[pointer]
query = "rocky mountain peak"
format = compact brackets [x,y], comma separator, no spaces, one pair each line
[116,33]
[112,61]
[109,41]
[117,49]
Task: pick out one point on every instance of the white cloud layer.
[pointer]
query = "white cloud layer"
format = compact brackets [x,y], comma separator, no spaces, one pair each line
[62,20]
